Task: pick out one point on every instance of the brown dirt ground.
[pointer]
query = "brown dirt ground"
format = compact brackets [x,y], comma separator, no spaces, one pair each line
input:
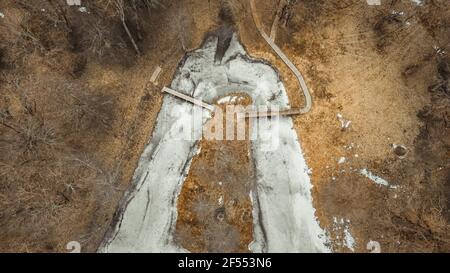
[77,110]
[214,206]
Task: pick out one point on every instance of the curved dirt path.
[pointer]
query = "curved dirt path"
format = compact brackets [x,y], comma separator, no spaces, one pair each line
[292,67]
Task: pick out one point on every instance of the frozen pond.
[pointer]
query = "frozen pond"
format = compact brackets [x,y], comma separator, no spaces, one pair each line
[284,218]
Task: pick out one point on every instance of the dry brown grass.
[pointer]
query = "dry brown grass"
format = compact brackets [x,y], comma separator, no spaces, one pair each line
[61,163]
[45,176]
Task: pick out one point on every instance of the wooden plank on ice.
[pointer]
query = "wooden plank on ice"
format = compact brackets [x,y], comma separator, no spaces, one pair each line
[188,98]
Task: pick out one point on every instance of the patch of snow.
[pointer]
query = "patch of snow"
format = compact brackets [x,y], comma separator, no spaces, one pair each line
[73,2]
[440,50]
[349,147]
[373,2]
[342,227]
[394,12]
[376,179]
[349,241]
[229,100]
[418,2]
[283,194]
[344,122]
[373,247]
[82,9]
[256,246]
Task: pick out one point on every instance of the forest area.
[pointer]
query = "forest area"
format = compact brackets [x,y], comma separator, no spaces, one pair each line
[78,109]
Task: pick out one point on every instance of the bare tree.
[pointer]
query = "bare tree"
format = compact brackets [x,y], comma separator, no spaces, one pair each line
[17,31]
[119,5]
[181,26]
[99,36]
